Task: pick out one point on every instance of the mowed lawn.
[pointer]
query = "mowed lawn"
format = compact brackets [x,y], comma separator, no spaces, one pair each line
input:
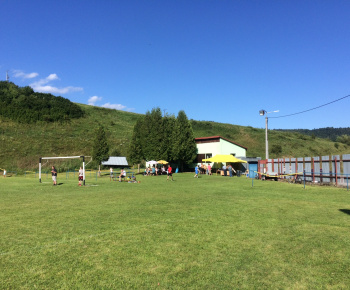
[212,232]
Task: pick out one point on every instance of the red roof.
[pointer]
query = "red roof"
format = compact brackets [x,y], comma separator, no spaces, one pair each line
[219,137]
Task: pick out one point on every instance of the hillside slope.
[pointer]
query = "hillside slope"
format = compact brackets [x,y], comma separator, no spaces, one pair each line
[23,144]
[328,132]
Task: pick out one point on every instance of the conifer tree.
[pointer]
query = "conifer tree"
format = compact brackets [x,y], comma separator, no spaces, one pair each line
[184,145]
[135,149]
[166,144]
[152,134]
[100,147]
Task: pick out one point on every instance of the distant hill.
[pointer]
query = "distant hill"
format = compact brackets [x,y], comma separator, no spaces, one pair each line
[26,106]
[21,144]
[328,132]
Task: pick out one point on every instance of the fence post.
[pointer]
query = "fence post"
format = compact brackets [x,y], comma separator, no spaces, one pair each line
[330,176]
[335,171]
[304,178]
[321,177]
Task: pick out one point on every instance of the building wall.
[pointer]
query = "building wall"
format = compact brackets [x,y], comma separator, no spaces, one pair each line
[228,148]
[222,147]
[213,148]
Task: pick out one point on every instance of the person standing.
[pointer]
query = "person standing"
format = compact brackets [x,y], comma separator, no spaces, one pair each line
[81,175]
[196,171]
[170,173]
[209,169]
[54,175]
[224,169]
[5,173]
[110,174]
[230,169]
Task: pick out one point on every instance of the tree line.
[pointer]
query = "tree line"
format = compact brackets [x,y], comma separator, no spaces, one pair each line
[157,137]
[23,105]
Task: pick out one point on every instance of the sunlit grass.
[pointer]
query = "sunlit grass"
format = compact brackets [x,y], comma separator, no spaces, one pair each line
[210,232]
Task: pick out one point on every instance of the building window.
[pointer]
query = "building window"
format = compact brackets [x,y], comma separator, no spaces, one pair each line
[200,157]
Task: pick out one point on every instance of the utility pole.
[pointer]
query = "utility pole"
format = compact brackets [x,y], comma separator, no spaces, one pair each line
[262,113]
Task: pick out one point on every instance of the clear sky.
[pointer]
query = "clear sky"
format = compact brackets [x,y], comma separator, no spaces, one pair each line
[217,60]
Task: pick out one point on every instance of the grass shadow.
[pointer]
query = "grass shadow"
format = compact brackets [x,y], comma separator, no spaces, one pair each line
[347,211]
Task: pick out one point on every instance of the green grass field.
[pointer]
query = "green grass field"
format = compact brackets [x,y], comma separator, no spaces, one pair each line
[212,232]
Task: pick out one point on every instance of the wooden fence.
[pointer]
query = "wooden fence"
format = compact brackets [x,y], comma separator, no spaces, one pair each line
[321,169]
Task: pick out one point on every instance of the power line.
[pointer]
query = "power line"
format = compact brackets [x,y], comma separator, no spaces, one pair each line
[312,108]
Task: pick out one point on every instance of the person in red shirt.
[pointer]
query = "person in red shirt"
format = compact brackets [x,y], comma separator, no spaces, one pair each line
[170,173]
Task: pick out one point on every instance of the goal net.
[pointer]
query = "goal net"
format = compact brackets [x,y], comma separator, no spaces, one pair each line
[64,157]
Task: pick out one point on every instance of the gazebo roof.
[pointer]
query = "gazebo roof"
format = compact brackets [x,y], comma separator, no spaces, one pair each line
[115,161]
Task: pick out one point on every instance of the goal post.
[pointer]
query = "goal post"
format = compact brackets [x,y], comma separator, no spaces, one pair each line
[64,157]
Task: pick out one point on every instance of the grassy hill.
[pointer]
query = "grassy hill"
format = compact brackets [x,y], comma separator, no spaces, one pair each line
[22,144]
[328,132]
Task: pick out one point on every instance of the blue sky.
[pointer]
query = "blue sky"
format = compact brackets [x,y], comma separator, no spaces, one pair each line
[219,61]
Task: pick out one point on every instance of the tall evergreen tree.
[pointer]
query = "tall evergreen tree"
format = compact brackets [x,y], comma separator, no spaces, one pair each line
[184,145]
[166,144]
[152,134]
[145,132]
[100,147]
[135,152]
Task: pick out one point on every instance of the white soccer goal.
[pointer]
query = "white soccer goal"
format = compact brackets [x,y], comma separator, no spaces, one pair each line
[65,157]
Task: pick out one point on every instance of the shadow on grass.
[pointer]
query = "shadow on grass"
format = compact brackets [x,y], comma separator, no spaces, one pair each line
[347,211]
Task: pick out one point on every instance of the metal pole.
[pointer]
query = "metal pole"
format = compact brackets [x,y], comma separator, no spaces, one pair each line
[40,170]
[266,140]
[83,170]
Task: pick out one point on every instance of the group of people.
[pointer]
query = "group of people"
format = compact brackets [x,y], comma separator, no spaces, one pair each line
[54,175]
[228,168]
[154,170]
[203,169]
[120,177]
